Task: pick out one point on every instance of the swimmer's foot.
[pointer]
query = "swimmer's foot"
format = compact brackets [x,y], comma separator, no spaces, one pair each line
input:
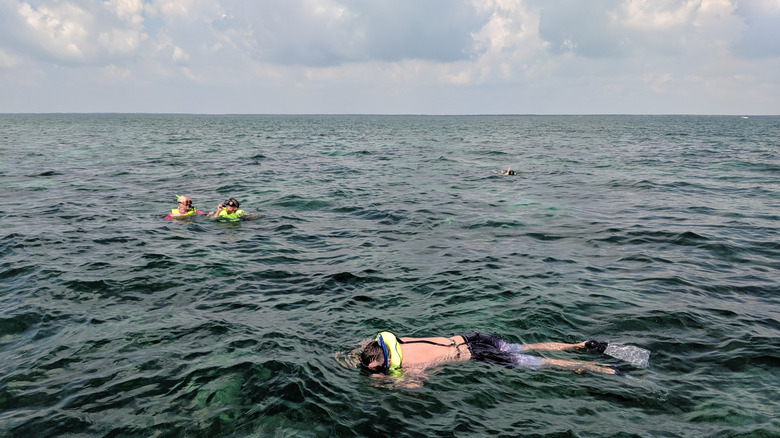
[596,346]
[617,371]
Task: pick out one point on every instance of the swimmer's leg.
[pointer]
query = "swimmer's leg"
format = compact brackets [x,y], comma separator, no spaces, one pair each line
[541,346]
[580,367]
[512,355]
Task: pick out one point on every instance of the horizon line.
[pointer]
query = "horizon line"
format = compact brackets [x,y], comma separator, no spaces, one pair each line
[389,114]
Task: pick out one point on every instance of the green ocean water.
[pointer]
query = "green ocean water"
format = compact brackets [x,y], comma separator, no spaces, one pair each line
[657,231]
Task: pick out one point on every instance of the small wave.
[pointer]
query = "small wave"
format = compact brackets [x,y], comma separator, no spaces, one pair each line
[544,236]
[301,204]
[385,217]
[19,323]
[46,173]
[643,258]
[349,279]
[497,224]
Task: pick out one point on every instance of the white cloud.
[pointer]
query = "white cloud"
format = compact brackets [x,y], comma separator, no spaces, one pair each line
[191,76]
[655,15]
[454,55]
[128,10]
[179,56]
[170,9]
[761,37]
[509,44]
[8,61]
[60,30]
[510,27]
[112,74]
[120,41]
[73,32]
[657,82]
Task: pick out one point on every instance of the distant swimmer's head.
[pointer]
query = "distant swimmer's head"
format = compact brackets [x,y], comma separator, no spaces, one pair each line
[231,205]
[184,202]
[510,172]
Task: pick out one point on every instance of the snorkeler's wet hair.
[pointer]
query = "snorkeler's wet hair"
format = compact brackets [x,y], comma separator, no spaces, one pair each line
[372,352]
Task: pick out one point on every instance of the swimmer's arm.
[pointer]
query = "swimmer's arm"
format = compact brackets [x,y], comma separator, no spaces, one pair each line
[407,378]
[412,378]
[216,214]
[552,346]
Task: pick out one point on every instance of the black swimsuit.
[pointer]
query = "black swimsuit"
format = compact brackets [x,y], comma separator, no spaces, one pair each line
[488,348]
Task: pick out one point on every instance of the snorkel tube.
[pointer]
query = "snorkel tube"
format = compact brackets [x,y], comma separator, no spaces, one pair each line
[391,350]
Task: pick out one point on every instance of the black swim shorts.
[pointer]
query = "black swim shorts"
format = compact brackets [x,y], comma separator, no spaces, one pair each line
[487,348]
[491,349]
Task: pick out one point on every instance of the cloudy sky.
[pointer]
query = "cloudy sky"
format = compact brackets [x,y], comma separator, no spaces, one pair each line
[391,56]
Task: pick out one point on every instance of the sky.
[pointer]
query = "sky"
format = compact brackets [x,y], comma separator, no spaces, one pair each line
[391,56]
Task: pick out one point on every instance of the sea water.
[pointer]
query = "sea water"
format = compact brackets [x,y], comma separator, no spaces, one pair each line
[661,232]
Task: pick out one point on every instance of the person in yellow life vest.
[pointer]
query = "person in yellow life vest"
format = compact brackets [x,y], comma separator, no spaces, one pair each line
[184,210]
[228,211]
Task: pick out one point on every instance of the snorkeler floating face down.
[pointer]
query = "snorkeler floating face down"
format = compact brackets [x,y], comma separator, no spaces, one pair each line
[389,354]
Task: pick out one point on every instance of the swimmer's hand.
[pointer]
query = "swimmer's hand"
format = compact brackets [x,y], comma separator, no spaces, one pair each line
[214,214]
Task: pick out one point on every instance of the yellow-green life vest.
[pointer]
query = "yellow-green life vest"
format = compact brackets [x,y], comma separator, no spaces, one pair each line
[223,214]
[175,212]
